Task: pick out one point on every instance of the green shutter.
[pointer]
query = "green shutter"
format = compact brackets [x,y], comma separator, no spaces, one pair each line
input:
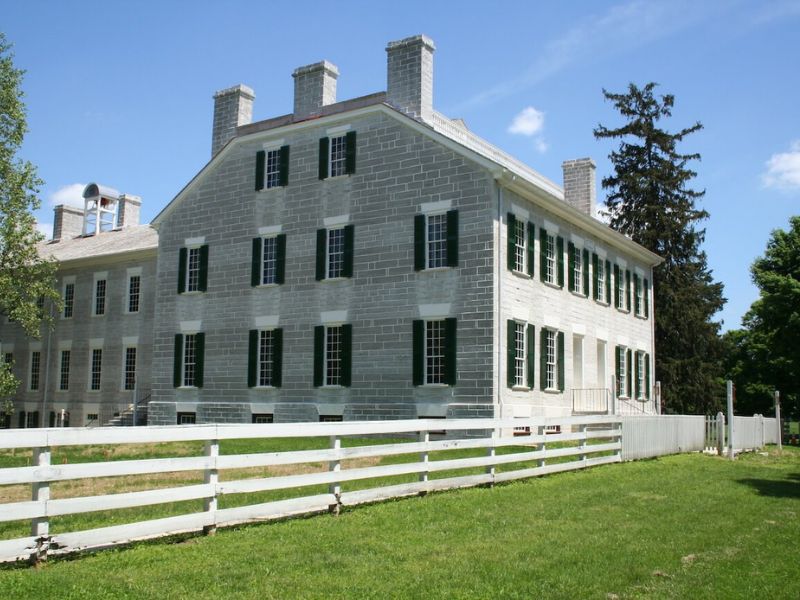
[319,354]
[256,262]
[617,370]
[647,376]
[572,267]
[323,157]
[252,358]
[543,358]
[542,254]
[349,244]
[322,253]
[511,227]
[350,153]
[182,254]
[347,355]
[35,418]
[636,304]
[529,358]
[177,365]
[586,273]
[202,283]
[283,166]
[280,258]
[629,364]
[261,158]
[646,299]
[511,352]
[418,351]
[608,281]
[21,423]
[200,354]
[637,391]
[52,419]
[560,257]
[419,242]
[560,359]
[450,350]
[595,280]
[452,238]
[531,251]
[616,286]
[277,357]
[627,290]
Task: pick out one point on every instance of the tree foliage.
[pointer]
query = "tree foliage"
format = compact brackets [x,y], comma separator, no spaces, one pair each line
[650,200]
[765,356]
[24,276]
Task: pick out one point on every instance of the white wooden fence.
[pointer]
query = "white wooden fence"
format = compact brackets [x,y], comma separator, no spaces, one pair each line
[583,442]
[646,436]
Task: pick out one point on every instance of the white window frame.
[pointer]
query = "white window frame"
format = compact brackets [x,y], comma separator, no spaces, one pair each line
[520,353]
[90,381]
[96,296]
[639,291]
[641,375]
[622,374]
[339,143]
[551,259]
[272,168]
[185,363]
[265,367]
[273,241]
[601,280]
[435,364]
[520,231]
[69,301]
[328,266]
[331,352]
[577,272]
[551,360]
[129,293]
[38,371]
[430,249]
[190,252]
[125,349]
[619,289]
[62,373]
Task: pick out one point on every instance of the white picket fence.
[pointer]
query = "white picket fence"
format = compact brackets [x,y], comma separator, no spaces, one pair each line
[749,433]
[646,436]
[593,440]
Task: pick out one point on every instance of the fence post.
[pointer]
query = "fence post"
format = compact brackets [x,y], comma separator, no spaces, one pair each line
[720,433]
[778,419]
[729,394]
[335,488]
[582,446]
[40,492]
[491,451]
[613,394]
[542,445]
[657,393]
[211,476]
[424,437]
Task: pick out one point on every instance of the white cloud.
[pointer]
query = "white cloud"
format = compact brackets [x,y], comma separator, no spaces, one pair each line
[528,122]
[71,194]
[540,145]
[46,229]
[783,169]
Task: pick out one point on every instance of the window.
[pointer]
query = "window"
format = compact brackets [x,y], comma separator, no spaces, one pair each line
[100,297]
[186,418]
[269,260]
[63,383]
[129,369]
[330,418]
[332,355]
[262,418]
[619,288]
[551,250]
[95,368]
[91,418]
[335,252]
[436,240]
[624,372]
[8,358]
[134,288]
[337,155]
[36,361]
[189,358]
[640,375]
[520,354]
[552,360]
[69,300]
[638,299]
[193,269]
[519,246]
[264,358]
[600,275]
[434,360]
[272,168]
[575,269]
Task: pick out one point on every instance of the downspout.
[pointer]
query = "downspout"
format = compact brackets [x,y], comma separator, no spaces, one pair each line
[652,309]
[498,294]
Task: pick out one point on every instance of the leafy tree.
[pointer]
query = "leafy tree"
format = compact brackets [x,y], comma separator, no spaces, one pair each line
[650,200]
[765,356]
[24,276]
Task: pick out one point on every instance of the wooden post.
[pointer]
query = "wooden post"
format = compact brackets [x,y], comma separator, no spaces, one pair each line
[613,394]
[729,394]
[211,476]
[582,430]
[335,466]
[720,433]
[40,492]
[424,437]
[542,444]
[492,452]
[778,419]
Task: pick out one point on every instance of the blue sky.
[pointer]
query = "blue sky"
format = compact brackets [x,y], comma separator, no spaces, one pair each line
[121,93]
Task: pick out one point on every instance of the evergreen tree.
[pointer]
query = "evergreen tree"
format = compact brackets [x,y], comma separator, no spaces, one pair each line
[650,200]
[24,276]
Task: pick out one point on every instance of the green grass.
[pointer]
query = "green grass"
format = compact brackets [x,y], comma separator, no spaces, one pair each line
[687,526]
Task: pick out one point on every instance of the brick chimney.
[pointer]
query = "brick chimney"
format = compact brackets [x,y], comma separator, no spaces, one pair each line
[67,222]
[410,76]
[232,107]
[580,188]
[314,87]
[128,211]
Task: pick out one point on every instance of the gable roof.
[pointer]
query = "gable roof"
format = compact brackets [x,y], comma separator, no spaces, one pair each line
[139,238]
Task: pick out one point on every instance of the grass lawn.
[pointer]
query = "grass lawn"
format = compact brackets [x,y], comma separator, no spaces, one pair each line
[687,526]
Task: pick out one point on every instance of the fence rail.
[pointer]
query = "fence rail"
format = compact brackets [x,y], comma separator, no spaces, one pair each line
[583,441]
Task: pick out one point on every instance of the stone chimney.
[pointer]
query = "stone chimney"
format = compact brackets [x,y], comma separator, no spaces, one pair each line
[314,87]
[580,188]
[67,222]
[410,76]
[128,211]
[232,107]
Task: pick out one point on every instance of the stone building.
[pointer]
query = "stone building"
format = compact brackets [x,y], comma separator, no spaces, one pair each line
[372,258]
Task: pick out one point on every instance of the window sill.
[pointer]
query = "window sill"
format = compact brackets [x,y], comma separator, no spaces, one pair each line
[271,188]
[520,388]
[131,312]
[332,279]
[555,286]
[579,294]
[623,311]
[435,385]
[521,274]
[337,177]
[601,303]
[552,391]
[264,387]
[642,317]
[333,387]
[192,293]
[266,286]
[187,387]
[435,269]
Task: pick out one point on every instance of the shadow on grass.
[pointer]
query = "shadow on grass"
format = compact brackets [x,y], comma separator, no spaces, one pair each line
[787,488]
